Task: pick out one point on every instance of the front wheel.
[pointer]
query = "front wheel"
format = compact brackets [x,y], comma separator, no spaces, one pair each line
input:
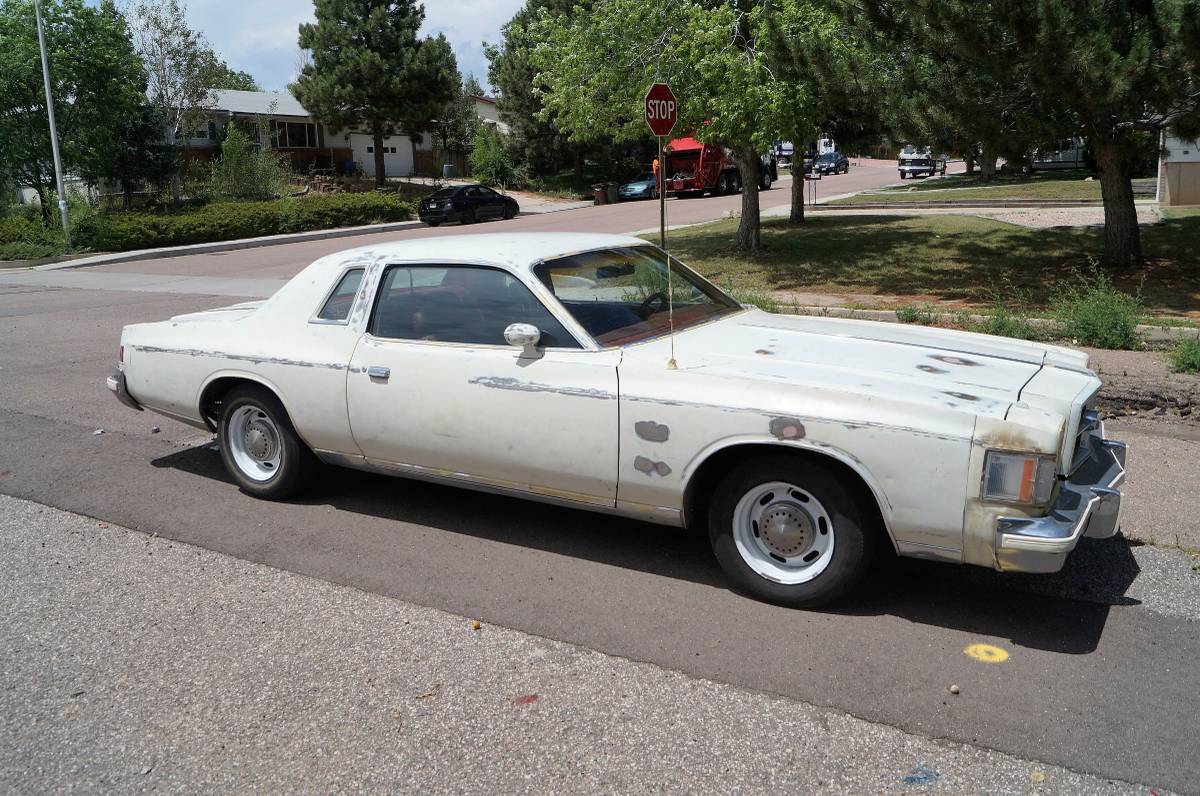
[788,531]
[260,448]
[765,182]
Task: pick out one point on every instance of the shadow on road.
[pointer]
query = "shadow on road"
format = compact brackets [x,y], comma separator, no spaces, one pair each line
[1065,612]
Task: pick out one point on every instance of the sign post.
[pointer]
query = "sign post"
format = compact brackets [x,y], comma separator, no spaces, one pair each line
[662,111]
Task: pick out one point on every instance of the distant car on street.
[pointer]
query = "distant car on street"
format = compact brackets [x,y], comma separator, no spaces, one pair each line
[832,163]
[914,162]
[642,187]
[466,204]
[537,365]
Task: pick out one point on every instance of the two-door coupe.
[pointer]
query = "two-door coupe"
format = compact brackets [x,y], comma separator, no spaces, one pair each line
[540,365]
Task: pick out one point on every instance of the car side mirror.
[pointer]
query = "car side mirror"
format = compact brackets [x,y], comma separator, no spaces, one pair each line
[525,336]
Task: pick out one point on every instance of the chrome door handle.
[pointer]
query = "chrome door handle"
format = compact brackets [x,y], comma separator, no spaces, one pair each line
[381,373]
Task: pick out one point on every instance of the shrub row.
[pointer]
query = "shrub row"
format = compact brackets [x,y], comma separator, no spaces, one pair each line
[232,220]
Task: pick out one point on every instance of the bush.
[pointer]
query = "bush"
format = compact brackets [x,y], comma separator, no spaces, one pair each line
[756,298]
[1004,322]
[1185,356]
[231,220]
[245,171]
[918,314]
[490,164]
[1093,312]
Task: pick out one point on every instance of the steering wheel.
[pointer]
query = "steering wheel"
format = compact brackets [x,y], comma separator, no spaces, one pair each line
[647,306]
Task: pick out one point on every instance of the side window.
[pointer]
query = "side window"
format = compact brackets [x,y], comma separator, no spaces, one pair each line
[341,300]
[459,304]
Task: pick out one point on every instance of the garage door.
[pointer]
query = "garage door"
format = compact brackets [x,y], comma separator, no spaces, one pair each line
[397,154]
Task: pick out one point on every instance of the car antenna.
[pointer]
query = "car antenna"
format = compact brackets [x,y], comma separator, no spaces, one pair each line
[670,307]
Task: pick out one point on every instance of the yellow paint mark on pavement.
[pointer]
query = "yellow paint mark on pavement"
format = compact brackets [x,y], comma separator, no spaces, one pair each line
[986,653]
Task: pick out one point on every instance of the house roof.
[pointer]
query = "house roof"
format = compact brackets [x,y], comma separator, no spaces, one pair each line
[272,103]
[485,98]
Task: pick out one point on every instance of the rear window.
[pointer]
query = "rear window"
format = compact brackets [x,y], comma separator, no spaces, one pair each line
[337,307]
[445,193]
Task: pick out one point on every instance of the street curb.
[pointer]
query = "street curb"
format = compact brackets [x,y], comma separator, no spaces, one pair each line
[226,245]
[972,204]
[1149,332]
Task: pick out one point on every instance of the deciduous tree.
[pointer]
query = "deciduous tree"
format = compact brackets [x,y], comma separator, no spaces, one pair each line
[96,82]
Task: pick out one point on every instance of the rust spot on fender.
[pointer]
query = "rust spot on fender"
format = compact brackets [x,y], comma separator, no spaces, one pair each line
[953,360]
[931,369]
[651,431]
[648,466]
[786,428]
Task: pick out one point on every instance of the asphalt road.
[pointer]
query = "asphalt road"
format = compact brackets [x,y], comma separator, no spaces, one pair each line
[1100,678]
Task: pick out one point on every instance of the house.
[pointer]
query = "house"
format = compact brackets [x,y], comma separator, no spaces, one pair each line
[1178,172]
[485,108]
[308,144]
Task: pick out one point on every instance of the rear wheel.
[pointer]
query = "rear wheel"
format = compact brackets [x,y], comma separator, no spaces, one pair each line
[722,184]
[259,447]
[788,531]
[765,181]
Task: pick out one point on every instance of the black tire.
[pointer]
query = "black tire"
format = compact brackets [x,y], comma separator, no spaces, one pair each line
[296,463]
[764,182]
[722,185]
[509,212]
[433,223]
[903,175]
[853,531]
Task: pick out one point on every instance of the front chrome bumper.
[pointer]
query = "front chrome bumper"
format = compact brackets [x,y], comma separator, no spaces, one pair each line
[1088,504]
[116,383]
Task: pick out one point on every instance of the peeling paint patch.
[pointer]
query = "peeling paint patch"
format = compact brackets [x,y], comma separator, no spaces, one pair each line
[648,466]
[932,369]
[786,428]
[509,383]
[651,431]
[962,396]
[257,360]
[764,352]
[952,360]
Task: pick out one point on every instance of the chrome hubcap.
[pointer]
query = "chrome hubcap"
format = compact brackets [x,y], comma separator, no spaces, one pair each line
[254,443]
[783,532]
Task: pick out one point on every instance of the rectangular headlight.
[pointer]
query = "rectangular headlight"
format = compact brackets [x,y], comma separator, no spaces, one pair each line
[1018,477]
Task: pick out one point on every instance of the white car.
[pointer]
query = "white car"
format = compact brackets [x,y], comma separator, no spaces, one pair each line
[543,365]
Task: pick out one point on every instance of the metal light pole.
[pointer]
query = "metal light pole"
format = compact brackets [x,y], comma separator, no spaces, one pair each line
[58,173]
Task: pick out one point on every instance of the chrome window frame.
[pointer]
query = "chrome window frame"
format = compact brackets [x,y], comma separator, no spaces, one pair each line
[316,316]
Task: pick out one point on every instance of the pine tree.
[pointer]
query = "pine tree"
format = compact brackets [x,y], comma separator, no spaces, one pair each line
[370,67]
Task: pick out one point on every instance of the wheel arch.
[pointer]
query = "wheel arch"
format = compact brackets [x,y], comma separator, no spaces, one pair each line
[708,467]
[218,385]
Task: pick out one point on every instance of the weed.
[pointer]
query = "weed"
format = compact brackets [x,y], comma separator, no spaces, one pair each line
[1185,356]
[920,314]
[1094,312]
[757,298]
[1005,322]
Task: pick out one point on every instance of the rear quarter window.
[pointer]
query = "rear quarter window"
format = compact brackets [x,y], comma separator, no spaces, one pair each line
[337,306]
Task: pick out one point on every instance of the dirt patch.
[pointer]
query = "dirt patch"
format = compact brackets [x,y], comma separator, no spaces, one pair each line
[1140,383]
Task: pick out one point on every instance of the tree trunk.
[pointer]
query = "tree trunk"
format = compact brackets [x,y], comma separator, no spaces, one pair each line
[969,161]
[749,233]
[987,165]
[796,216]
[1122,237]
[577,163]
[43,205]
[176,177]
[127,189]
[377,140]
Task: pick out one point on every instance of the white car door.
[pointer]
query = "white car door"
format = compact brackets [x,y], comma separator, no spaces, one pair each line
[433,386]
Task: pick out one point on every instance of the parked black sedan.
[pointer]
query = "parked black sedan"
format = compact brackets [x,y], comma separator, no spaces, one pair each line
[832,163]
[466,204]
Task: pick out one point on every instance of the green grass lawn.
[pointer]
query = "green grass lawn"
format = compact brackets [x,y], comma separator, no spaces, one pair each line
[974,261]
[1070,184]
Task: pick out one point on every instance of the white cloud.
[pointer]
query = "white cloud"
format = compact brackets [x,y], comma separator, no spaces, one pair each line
[260,36]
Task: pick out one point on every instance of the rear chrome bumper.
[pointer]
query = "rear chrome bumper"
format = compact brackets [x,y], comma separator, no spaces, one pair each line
[1088,504]
[116,383]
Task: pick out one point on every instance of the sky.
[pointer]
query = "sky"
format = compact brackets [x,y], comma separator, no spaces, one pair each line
[259,36]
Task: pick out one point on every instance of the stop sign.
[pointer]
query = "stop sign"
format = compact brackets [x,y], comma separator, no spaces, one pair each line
[661,109]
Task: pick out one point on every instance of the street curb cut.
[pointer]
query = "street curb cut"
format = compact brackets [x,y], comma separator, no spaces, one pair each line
[1149,332]
[226,245]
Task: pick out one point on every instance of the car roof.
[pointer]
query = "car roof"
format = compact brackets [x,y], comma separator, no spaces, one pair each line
[515,249]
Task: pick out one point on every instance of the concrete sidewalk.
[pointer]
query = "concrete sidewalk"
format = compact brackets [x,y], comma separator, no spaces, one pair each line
[131,662]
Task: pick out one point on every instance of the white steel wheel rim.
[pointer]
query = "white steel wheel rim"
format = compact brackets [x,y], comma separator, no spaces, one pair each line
[255,443]
[783,533]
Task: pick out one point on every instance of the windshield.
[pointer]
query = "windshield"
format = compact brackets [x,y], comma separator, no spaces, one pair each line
[826,158]
[644,178]
[620,295]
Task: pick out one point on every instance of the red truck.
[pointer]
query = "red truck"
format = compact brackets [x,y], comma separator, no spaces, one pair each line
[693,168]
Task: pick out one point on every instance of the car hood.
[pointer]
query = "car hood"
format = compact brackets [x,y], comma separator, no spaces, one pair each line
[968,372]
